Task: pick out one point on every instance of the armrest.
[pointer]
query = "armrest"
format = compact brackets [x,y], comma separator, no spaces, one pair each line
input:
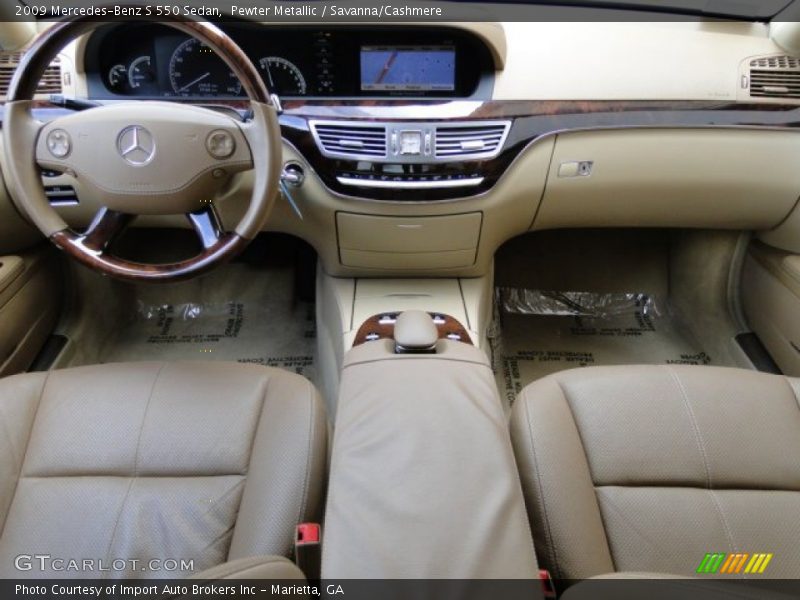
[423,483]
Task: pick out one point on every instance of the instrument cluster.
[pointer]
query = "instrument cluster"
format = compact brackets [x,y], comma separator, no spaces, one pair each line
[153,61]
[150,61]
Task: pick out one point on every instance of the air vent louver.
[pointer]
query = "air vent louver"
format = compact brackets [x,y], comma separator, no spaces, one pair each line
[351,140]
[50,82]
[776,62]
[775,77]
[470,141]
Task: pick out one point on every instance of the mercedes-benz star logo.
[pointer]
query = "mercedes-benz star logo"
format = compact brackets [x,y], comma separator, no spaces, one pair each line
[136,145]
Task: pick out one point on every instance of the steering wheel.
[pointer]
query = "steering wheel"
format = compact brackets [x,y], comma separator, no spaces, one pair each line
[143,158]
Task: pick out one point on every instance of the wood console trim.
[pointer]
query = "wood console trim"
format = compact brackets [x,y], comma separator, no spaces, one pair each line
[372,329]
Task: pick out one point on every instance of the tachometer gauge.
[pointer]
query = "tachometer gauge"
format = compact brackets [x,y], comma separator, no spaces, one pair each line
[283,77]
[141,72]
[118,77]
[195,70]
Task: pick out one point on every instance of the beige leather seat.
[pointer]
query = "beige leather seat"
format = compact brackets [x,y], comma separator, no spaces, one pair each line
[648,468]
[202,462]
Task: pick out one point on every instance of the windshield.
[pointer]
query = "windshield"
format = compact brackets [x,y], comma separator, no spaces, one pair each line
[750,10]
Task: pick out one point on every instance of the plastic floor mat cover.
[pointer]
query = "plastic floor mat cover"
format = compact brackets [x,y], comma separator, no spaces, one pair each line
[537,333]
[243,315]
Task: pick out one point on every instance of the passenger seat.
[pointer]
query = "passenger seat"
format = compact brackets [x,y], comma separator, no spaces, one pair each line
[651,468]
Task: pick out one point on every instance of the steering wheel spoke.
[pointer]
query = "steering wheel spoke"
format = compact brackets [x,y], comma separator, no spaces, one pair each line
[105,228]
[207,225]
[143,158]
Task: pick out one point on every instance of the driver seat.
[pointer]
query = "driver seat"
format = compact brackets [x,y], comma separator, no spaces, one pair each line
[196,461]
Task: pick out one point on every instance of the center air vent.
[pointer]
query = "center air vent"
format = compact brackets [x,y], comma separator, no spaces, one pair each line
[775,77]
[470,140]
[350,140]
[410,142]
[50,82]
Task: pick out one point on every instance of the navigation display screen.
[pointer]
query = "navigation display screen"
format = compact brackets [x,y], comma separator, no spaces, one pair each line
[408,68]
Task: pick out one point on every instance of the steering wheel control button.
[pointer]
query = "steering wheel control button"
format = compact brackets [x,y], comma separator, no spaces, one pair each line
[220,144]
[59,143]
[136,145]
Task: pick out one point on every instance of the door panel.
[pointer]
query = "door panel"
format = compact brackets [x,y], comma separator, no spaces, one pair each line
[30,298]
[771,300]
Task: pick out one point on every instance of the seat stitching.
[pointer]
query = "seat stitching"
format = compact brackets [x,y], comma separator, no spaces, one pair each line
[264,392]
[792,390]
[42,391]
[144,420]
[227,533]
[588,465]
[540,490]
[627,521]
[135,461]
[231,527]
[246,473]
[695,426]
[16,458]
[728,532]
[307,482]
[704,454]
[235,487]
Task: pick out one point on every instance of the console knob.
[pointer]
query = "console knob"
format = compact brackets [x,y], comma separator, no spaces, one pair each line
[415,331]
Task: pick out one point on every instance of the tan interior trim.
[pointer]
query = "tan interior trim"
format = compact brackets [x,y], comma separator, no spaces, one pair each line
[15,34]
[629,60]
[11,267]
[786,34]
[714,178]
[784,266]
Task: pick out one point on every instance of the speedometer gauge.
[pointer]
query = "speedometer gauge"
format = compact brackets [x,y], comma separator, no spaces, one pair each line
[140,73]
[195,70]
[118,77]
[283,76]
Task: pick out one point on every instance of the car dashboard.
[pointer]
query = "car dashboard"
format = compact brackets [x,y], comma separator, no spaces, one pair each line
[419,149]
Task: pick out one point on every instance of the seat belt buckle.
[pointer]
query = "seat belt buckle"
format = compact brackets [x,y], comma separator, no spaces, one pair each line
[307,549]
[548,588]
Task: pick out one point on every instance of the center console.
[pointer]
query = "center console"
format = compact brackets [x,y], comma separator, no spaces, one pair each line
[353,311]
[423,482]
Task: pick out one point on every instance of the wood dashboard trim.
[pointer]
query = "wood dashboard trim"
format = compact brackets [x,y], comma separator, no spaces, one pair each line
[532,120]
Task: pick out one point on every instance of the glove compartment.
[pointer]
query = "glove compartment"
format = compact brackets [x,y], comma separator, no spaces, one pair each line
[714,178]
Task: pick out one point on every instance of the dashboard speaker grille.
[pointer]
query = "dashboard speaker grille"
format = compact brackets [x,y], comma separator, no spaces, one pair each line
[775,77]
[50,82]
[470,140]
[350,140]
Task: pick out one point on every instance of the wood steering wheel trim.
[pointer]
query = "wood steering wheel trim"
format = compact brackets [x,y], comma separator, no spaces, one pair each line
[228,246]
[90,247]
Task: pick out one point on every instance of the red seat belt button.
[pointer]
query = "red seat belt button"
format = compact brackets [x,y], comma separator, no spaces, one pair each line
[548,589]
[307,533]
